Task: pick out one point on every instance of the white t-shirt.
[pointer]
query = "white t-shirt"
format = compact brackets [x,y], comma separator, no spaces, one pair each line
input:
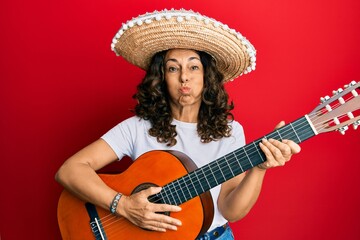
[131,138]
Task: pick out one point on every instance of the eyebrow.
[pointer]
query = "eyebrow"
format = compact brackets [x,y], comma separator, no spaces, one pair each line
[175,60]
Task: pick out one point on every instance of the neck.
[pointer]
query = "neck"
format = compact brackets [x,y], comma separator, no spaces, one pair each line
[230,165]
[185,113]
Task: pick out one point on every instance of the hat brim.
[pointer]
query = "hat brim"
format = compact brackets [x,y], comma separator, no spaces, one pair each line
[141,38]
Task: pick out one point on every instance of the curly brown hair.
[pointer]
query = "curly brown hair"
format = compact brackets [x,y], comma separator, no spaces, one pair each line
[153,103]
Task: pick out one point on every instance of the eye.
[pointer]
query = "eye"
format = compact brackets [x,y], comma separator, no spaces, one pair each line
[195,67]
[172,69]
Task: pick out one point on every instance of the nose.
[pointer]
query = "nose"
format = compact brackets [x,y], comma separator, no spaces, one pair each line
[184,76]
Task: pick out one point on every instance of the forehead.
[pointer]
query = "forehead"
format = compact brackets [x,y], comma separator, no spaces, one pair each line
[181,54]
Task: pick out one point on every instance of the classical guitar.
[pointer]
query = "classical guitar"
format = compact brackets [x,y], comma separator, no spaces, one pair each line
[186,185]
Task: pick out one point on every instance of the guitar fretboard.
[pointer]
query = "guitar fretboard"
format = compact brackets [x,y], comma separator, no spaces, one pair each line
[230,165]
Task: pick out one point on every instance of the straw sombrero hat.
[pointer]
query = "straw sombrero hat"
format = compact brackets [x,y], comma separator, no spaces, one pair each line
[140,38]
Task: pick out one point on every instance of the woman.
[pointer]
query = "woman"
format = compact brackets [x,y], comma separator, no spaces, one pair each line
[182,105]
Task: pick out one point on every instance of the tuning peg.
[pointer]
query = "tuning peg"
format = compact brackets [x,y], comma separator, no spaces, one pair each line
[350,115]
[338,91]
[324,99]
[354,93]
[343,129]
[350,84]
[356,124]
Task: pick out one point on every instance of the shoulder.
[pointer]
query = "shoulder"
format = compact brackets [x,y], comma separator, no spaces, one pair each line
[129,127]
[236,127]
[133,122]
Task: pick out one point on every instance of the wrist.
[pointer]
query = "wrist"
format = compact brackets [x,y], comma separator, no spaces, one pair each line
[261,167]
[115,202]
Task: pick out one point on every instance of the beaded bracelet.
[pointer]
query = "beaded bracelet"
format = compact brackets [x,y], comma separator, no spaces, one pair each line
[115,202]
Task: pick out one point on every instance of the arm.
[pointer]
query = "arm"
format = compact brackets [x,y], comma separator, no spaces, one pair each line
[78,175]
[238,195]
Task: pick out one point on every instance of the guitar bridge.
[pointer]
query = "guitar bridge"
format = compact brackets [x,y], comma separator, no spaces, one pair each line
[95,222]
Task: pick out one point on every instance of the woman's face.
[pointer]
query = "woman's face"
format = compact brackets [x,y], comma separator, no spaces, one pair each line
[184,75]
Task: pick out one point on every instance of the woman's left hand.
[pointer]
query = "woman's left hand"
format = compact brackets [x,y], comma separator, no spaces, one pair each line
[277,152]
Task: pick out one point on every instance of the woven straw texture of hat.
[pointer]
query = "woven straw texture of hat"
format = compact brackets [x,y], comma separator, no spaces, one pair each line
[140,42]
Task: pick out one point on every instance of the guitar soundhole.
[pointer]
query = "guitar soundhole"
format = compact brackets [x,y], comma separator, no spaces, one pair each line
[152,198]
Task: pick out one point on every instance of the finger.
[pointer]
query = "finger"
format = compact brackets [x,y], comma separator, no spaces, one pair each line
[268,154]
[283,147]
[161,226]
[152,190]
[154,228]
[166,208]
[274,155]
[280,124]
[167,221]
[263,166]
[159,222]
[294,147]
[156,221]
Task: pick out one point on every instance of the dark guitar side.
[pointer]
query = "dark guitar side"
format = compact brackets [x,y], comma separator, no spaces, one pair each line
[156,167]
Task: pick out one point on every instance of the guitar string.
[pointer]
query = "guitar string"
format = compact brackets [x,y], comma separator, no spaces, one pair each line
[174,187]
[216,169]
[117,219]
[108,226]
[286,135]
[107,223]
[229,162]
[232,159]
[111,228]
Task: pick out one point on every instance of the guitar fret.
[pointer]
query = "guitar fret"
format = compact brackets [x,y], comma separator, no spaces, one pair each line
[193,185]
[165,192]
[176,190]
[185,186]
[182,190]
[199,181]
[213,174]
[295,132]
[232,173]
[217,163]
[209,186]
[188,183]
[305,133]
[227,172]
[234,165]
[257,149]
[279,134]
[210,176]
[271,135]
[242,170]
[248,157]
[172,197]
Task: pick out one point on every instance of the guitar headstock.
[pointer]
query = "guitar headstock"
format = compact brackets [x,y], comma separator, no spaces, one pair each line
[339,111]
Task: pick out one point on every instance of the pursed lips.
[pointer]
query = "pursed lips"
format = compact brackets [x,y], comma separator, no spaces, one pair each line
[184,90]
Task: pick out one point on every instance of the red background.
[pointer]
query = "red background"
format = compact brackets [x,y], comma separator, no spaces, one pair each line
[62,88]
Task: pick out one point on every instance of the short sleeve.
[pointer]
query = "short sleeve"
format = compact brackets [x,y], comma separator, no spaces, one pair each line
[121,138]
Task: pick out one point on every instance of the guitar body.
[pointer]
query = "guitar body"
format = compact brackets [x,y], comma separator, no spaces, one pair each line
[154,167]
[164,168]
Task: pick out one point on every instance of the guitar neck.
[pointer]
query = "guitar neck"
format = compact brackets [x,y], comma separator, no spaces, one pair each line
[230,165]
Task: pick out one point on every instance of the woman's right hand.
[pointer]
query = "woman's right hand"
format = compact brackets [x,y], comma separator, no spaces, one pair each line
[145,214]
